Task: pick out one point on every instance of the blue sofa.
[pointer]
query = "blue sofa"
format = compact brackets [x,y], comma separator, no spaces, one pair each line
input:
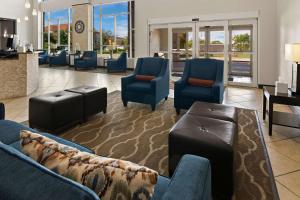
[43,57]
[147,92]
[22,178]
[87,61]
[58,59]
[185,95]
[116,65]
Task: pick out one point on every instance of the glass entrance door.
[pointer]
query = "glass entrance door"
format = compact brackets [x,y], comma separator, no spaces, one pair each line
[242,53]
[182,46]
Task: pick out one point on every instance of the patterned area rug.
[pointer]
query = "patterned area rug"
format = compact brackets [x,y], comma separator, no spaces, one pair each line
[141,136]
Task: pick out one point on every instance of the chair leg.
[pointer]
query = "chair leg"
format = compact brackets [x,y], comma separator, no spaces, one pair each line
[153,107]
[166,98]
[178,111]
[105,110]
[125,103]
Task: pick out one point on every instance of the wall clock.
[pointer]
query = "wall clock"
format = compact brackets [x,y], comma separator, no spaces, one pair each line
[79,26]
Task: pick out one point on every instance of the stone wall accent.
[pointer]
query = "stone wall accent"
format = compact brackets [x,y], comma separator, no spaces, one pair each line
[19,77]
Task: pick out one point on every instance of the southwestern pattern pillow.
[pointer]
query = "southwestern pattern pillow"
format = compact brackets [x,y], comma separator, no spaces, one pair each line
[110,178]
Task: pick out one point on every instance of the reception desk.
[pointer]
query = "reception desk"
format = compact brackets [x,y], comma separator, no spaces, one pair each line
[19,76]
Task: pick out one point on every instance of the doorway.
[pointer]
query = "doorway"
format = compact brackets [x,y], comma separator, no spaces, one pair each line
[234,42]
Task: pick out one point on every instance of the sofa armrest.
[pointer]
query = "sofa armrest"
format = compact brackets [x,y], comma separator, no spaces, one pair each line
[127,80]
[179,85]
[191,180]
[218,91]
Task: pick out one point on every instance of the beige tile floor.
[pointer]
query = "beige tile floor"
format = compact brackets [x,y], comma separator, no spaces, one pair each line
[283,146]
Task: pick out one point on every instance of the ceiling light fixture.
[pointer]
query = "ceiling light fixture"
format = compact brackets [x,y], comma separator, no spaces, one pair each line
[27,4]
[34,12]
[18,20]
[26,18]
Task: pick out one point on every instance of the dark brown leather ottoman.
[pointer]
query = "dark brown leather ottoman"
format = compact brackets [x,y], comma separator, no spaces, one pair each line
[56,111]
[94,99]
[210,138]
[215,111]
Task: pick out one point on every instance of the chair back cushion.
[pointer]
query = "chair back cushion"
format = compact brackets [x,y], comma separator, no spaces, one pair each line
[88,54]
[204,68]
[200,82]
[150,66]
[109,178]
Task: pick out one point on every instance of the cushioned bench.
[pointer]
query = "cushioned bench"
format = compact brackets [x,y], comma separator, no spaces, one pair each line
[56,111]
[94,99]
[210,138]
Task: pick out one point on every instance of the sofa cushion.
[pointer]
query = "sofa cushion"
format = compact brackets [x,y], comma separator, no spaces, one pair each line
[200,82]
[22,178]
[10,135]
[108,177]
[144,77]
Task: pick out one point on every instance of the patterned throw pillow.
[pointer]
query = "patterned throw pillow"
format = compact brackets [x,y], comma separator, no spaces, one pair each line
[110,178]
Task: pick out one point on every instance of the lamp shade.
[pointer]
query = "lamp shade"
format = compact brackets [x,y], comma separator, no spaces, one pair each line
[292,52]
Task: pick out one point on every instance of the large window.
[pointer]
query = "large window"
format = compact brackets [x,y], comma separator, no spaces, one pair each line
[112,29]
[57,30]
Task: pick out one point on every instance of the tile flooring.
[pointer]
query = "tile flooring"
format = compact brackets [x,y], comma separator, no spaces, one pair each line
[283,146]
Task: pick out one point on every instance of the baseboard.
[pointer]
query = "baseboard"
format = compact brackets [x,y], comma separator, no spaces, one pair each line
[260,86]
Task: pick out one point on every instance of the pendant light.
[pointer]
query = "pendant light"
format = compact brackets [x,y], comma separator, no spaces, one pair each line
[27,4]
[26,18]
[34,12]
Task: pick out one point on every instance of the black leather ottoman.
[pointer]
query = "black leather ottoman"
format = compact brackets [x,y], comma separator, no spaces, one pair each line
[56,111]
[210,138]
[215,111]
[94,99]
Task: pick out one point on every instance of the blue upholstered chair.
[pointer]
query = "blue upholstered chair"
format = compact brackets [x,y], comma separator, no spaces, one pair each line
[43,57]
[2,111]
[147,92]
[207,69]
[87,61]
[119,64]
[58,59]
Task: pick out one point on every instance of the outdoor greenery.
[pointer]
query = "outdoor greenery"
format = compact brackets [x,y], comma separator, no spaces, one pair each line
[241,42]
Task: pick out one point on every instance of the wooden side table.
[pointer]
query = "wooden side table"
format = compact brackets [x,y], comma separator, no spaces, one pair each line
[280,118]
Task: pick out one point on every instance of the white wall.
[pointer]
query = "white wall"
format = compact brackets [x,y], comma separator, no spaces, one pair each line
[14,9]
[289,32]
[146,9]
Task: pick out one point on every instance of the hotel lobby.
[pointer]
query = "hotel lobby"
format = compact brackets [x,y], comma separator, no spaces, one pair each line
[137,99]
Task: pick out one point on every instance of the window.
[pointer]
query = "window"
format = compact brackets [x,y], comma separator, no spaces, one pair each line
[112,29]
[56,25]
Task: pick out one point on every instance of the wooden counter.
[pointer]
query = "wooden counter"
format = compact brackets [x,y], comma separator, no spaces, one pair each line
[19,76]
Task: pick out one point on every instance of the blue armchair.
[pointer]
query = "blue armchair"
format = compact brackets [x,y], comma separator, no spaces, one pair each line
[208,69]
[59,59]
[43,57]
[147,92]
[87,61]
[119,64]
[2,111]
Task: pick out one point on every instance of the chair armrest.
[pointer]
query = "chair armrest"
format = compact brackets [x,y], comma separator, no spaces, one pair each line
[2,111]
[179,85]
[218,91]
[191,180]
[128,79]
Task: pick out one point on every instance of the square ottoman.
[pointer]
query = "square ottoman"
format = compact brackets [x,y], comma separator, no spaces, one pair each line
[94,99]
[210,138]
[56,111]
[213,110]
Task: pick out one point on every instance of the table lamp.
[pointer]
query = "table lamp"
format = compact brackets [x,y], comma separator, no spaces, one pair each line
[292,53]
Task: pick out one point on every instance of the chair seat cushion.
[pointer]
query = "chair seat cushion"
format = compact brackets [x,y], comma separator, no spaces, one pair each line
[200,82]
[139,86]
[144,77]
[197,92]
